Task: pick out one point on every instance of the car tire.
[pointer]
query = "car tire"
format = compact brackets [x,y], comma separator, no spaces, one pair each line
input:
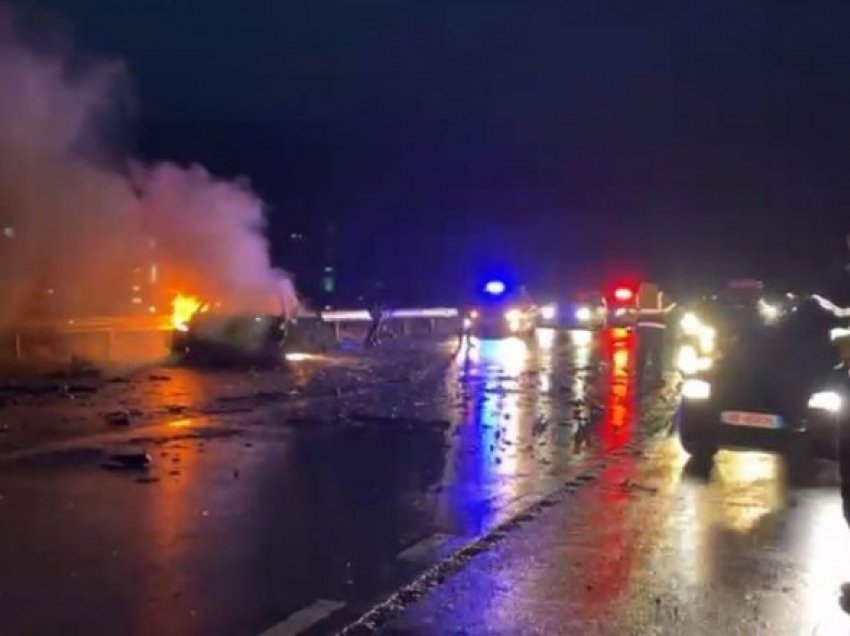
[699,448]
[695,439]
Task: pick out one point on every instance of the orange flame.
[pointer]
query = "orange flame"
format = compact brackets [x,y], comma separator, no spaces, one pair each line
[183,307]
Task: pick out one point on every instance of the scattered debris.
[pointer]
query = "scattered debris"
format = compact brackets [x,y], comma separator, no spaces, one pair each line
[118,418]
[128,459]
[630,486]
[80,388]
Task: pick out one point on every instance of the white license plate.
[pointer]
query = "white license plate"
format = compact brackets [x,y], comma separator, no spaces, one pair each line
[752,420]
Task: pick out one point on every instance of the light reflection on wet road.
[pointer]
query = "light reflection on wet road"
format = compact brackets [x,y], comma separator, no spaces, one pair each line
[656,547]
[230,533]
[250,516]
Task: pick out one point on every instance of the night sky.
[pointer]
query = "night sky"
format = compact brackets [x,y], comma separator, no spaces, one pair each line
[564,140]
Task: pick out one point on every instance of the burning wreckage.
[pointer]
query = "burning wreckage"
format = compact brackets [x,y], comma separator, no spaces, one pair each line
[93,254]
[212,337]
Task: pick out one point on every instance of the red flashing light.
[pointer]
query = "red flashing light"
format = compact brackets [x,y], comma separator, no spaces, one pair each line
[623,294]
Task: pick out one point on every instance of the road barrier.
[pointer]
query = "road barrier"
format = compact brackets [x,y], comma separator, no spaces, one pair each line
[105,337]
[109,338]
[405,319]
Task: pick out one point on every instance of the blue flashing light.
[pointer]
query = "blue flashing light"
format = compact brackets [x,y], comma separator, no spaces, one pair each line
[495,287]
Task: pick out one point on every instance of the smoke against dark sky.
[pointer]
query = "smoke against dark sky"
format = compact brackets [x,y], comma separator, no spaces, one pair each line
[77,230]
[681,136]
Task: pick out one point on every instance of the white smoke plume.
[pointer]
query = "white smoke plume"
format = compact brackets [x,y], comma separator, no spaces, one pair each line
[78,238]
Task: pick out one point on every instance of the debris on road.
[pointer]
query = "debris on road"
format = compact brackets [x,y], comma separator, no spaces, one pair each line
[128,459]
[118,418]
[630,486]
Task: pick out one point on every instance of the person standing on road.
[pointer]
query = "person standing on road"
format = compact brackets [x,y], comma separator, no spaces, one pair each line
[375,307]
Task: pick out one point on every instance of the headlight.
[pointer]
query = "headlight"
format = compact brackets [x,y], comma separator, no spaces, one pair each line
[548,312]
[583,314]
[706,339]
[689,362]
[706,335]
[826,401]
[513,315]
[838,333]
[769,313]
[691,324]
[696,389]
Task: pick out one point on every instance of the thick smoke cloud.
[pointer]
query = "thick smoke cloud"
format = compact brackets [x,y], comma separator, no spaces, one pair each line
[79,238]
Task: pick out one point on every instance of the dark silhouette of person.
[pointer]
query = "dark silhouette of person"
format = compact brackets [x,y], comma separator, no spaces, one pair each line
[375,307]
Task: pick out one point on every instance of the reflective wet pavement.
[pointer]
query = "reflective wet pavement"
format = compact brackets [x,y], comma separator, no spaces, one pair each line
[656,546]
[296,513]
[263,507]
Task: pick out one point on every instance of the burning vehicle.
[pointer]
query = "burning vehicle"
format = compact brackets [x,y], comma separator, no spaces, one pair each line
[205,336]
[223,339]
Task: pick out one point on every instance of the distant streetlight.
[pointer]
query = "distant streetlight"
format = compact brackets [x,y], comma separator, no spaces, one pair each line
[9,232]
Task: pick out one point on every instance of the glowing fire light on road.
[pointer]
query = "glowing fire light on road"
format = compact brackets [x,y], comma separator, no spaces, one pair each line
[183,307]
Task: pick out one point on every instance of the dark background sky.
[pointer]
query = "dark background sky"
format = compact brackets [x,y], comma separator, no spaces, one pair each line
[567,140]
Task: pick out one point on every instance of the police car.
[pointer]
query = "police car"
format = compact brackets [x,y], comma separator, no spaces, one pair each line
[502,311]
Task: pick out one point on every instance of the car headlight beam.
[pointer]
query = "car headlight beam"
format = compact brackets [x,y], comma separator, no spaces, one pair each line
[829,401]
[548,312]
[694,389]
[513,315]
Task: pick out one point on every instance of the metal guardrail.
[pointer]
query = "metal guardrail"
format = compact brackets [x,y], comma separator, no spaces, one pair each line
[109,327]
[361,315]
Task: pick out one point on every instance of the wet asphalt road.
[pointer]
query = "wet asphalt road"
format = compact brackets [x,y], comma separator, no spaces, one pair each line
[291,502]
[321,492]
[655,545]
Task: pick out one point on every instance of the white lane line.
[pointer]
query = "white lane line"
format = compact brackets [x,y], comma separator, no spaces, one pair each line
[304,619]
[423,548]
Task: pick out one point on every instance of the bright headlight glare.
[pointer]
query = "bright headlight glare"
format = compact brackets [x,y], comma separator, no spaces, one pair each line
[838,333]
[548,312]
[696,389]
[691,325]
[583,314]
[687,360]
[707,337]
[467,323]
[512,315]
[826,401]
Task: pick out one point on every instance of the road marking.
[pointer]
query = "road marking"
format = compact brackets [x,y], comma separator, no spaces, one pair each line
[304,619]
[424,547]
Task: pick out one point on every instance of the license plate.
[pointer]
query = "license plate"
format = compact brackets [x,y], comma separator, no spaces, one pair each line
[753,420]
